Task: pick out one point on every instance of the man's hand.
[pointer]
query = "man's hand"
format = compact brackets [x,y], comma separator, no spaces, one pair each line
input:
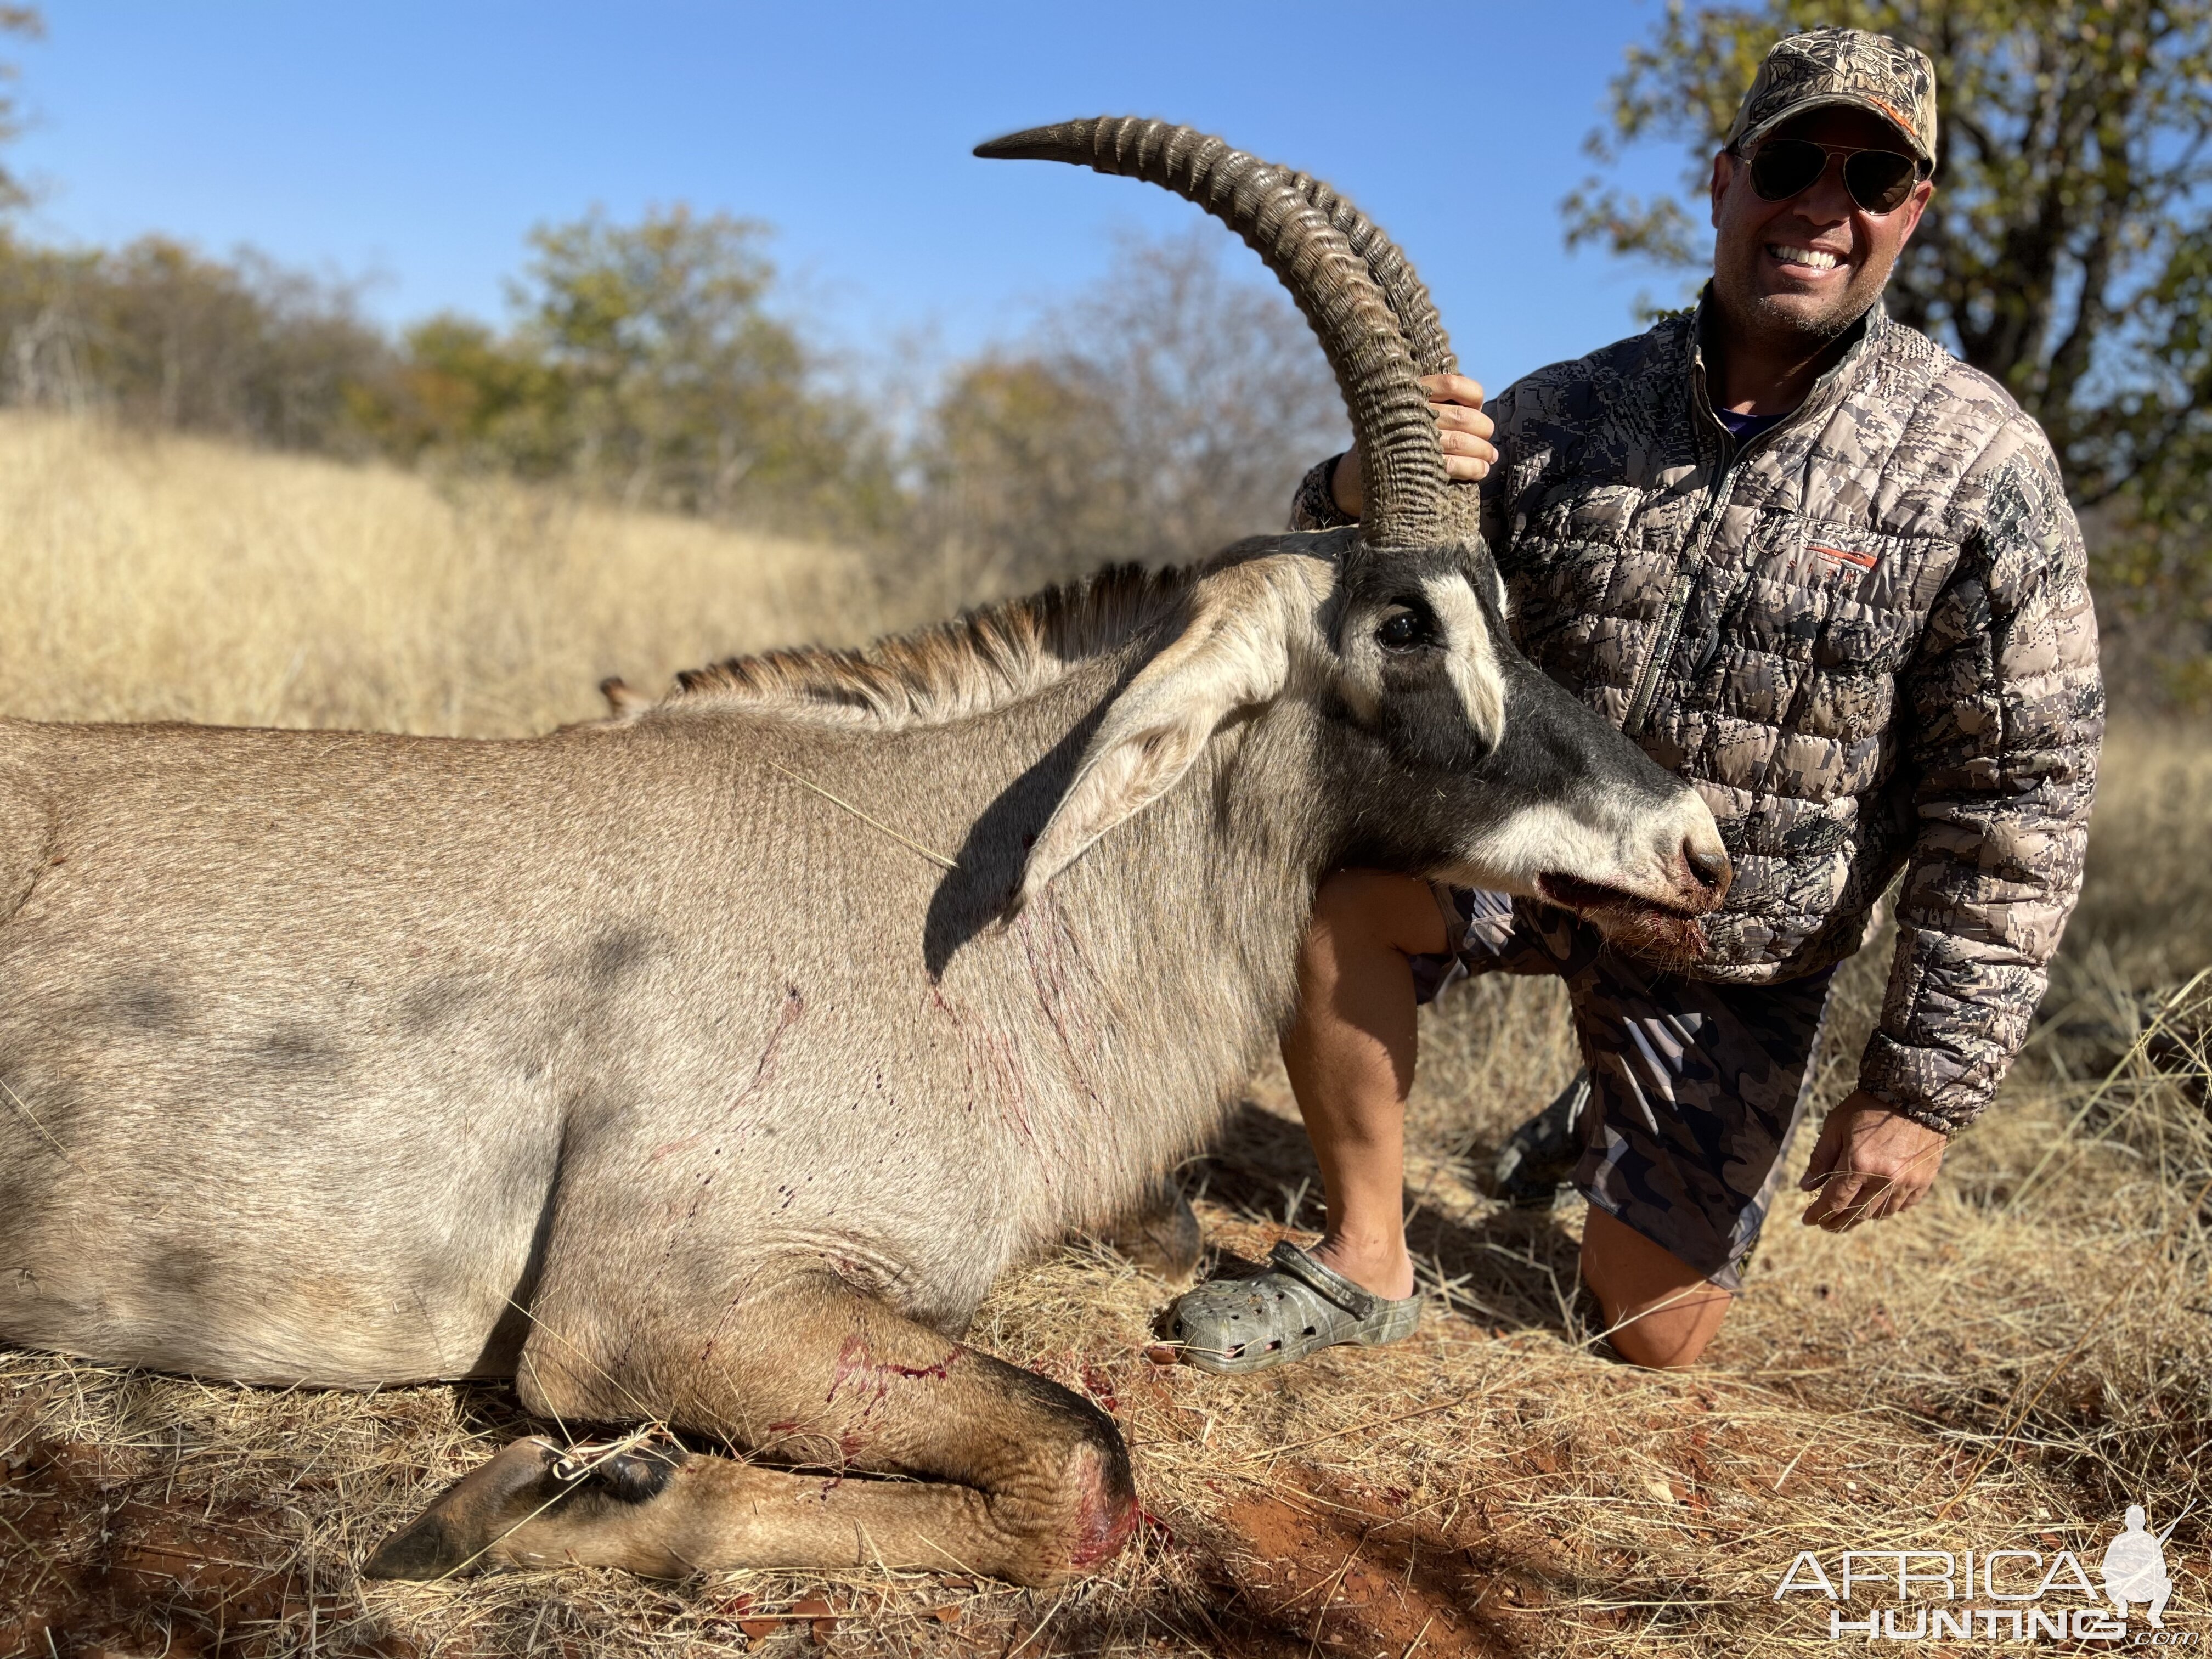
[1463,427]
[1871,1163]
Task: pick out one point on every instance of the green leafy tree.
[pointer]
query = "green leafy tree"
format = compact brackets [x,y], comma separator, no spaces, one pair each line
[642,363]
[461,391]
[2069,249]
[674,384]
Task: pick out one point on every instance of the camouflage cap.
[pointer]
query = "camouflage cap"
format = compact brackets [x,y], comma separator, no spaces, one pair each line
[1825,67]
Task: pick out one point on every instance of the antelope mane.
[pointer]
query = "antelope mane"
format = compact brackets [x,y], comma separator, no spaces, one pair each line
[982,660]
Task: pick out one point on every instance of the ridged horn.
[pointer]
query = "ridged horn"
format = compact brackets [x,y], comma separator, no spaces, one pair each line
[1405,478]
[1407,294]
[1422,328]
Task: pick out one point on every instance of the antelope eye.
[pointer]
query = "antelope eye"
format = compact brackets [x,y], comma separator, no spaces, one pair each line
[1406,627]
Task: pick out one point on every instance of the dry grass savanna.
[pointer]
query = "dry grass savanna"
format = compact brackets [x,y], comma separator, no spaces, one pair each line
[2006,1368]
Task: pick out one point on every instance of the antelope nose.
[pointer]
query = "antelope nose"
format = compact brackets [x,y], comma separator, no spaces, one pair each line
[1709,865]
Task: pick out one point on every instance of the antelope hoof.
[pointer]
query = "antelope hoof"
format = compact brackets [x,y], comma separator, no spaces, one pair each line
[471,1526]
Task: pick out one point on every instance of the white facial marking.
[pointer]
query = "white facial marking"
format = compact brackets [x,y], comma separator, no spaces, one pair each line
[1469,657]
[1628,841]
[1543,838]
[1360,679]
[1498,596]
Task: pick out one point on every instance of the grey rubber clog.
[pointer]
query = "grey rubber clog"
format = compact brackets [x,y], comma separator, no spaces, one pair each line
[1297,1307]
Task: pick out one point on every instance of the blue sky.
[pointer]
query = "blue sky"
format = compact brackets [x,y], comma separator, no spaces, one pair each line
[417,144]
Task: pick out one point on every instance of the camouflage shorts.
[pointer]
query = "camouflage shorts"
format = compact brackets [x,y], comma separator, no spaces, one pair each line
[1695,1087]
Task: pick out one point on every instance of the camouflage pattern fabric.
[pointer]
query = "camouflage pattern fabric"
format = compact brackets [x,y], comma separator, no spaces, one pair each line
[1825,67]
[1697,1089]
[1865,635]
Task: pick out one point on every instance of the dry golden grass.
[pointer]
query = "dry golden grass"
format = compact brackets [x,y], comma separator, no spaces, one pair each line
[2008,1367]
[180,580]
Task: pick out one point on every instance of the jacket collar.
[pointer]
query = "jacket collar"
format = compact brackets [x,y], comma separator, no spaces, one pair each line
[1828,391]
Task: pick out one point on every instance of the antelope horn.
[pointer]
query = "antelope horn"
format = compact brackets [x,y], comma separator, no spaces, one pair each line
[1263,203]
[1407,294]
[1416,314]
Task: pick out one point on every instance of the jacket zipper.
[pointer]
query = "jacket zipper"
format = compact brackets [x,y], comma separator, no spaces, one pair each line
[1678,602]
[1686,582]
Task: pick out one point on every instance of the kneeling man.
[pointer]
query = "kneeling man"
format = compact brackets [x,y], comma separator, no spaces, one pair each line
[1828,573]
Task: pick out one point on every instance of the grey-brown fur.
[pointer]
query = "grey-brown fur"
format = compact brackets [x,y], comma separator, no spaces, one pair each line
[636,949]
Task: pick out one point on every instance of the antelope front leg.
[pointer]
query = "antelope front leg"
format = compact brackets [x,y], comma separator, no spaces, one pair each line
[1012,1476]
[666,1513]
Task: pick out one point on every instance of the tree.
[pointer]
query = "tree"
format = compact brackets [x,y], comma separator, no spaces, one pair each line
[2068,251]
[244,348]
[642,363]
[676,385]
[461,393]
[1023,484]
[1158,416]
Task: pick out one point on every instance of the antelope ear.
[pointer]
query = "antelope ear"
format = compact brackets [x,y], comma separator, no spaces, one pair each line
[1231,655]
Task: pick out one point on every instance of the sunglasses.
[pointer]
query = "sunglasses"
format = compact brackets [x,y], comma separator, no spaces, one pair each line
[1879,181]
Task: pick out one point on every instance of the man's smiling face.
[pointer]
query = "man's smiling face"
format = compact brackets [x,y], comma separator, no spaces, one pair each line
[1809,266]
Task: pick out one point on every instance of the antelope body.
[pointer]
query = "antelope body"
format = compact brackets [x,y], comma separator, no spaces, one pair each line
[705,1066]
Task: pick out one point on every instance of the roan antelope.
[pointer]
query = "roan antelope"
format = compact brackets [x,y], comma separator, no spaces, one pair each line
[705,1066]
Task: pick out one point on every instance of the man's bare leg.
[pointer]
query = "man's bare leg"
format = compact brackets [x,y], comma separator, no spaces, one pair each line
[1350,1055]
[1664,1310]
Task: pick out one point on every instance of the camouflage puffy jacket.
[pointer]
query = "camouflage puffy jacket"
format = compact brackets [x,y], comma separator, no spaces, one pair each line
[1865,635]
